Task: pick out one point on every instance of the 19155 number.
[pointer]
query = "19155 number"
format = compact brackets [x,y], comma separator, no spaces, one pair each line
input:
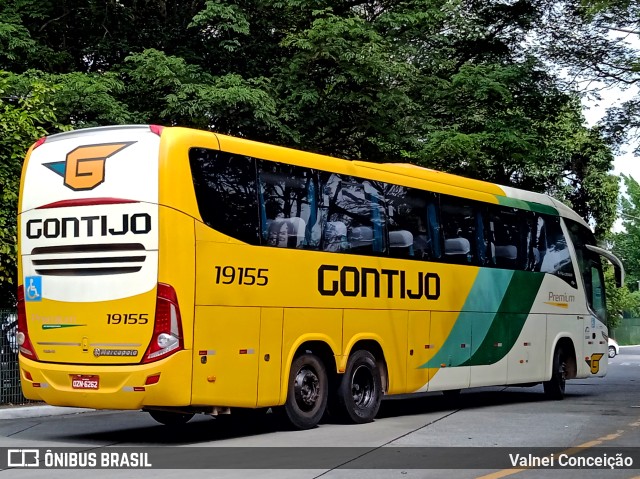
[243,276]
[127,318]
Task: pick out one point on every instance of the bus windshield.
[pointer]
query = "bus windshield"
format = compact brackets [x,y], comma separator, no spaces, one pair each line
[590,265]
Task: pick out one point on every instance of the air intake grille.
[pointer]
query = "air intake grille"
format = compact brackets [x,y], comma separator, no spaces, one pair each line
[88,259]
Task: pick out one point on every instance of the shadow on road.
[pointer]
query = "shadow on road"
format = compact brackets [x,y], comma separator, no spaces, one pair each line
[203,429]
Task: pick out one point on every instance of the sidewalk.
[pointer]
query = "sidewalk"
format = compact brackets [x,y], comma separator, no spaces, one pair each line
[40,410]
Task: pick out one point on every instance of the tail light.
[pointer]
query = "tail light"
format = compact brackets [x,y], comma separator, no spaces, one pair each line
[39,142]
[24,343]
[156,129]
[167,328]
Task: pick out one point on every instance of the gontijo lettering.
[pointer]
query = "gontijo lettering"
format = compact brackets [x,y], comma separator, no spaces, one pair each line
[88,226]
[390,283]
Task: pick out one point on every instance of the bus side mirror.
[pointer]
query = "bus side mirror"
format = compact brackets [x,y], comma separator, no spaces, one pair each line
[614,260]
[619,274]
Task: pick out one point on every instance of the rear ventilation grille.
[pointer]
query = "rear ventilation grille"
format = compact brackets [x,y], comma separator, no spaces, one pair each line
[88,259]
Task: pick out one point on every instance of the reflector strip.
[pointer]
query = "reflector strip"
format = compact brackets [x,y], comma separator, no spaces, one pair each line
[86,202]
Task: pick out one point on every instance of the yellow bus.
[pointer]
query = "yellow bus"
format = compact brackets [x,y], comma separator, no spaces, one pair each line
[180,271]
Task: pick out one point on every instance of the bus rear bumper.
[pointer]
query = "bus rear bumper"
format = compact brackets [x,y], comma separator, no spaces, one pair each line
[163,383]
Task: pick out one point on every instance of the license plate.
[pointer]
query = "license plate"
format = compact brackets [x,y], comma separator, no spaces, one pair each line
[84,381]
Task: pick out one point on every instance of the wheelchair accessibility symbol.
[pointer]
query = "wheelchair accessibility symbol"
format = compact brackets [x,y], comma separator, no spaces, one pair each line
[33,288]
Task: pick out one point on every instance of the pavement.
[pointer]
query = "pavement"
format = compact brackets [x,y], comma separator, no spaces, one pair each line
[43,410]
[39,410]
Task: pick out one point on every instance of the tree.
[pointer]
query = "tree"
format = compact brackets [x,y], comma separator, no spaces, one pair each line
[626,245]
[595,42]
[456,86]
[21,123]
[621,302]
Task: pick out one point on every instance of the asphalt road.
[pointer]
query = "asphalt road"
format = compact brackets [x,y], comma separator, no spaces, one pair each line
[482,426]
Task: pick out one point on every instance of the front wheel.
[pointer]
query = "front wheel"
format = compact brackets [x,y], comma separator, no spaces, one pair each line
[555,387]
[170,418]
[612,352]
[307,392]
[360,390]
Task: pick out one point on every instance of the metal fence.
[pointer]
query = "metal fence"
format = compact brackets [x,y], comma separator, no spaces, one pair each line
[10,391]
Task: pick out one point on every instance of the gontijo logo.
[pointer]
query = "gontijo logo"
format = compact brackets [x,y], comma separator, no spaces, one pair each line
[83,168]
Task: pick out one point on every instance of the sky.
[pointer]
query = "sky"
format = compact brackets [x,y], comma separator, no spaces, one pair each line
[625,162]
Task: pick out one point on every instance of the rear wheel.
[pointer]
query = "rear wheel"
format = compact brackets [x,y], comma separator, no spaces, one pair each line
[612,352]
[170,418]
[555,387]
[307,392]
[360,390]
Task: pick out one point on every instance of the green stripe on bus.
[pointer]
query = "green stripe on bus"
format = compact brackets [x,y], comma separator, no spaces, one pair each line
[486,294]
[509,320]
[527,205]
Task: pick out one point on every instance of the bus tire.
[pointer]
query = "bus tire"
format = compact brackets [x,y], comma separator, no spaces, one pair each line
[360,390]
[307,392]
[555,387]
[169,418]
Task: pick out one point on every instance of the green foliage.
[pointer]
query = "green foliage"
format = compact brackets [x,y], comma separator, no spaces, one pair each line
[165,89]
[621,302]
[626,244]
[80,99]
[21,123]
[463,86]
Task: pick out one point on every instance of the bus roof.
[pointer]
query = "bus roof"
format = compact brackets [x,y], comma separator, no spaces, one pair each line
[459,185]
[428,178]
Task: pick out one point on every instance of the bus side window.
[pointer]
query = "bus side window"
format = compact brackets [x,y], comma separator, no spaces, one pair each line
[462,231]
[506,237]
[414,226]
[355,205]
[288,203]
[557,259]
[225,189]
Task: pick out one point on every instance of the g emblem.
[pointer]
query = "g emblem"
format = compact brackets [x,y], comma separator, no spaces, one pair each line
[594,362]
[83,168]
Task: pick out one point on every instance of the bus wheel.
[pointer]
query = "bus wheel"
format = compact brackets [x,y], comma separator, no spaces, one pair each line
[360,389]
[170,418]
[307,393]
[555,387]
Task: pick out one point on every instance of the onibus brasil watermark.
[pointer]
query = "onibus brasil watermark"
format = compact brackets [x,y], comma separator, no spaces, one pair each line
[74,459]
[198,457]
